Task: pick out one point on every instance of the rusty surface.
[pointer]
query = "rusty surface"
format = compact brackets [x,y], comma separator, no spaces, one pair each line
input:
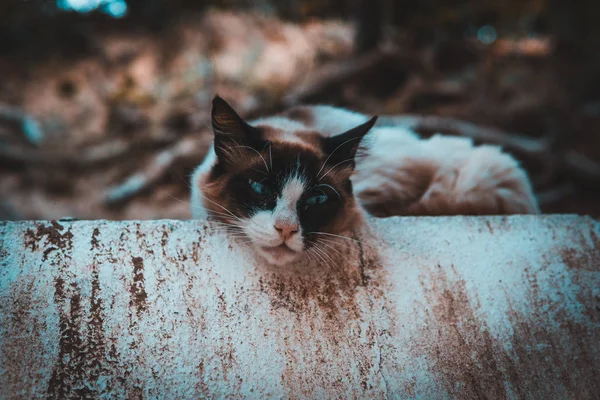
[421,308]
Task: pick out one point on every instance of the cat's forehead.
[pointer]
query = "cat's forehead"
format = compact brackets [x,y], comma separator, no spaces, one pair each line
[284,137]
[288,161]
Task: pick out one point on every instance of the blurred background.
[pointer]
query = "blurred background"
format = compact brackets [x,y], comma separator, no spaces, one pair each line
[104,104]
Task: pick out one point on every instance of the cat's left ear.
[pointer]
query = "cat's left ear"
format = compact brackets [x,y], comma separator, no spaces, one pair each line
[231,131]
[342,148]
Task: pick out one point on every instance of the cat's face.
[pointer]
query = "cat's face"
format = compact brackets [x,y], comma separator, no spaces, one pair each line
[283,198]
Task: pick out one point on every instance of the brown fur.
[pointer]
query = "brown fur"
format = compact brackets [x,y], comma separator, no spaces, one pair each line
[304,115]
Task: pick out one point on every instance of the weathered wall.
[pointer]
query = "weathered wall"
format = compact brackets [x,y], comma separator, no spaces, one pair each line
[445,307]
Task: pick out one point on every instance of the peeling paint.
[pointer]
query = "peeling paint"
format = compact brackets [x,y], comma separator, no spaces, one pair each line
[417,308]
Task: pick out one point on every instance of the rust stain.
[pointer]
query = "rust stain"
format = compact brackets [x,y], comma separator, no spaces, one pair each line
[595,239]
[471,364]
[22,343]
[582,255]
[202,387]
[96,341]
[137,288]
[47,252]
[330,288]
[487,222]
[68,376]
[53,233]
[325,299]
[541,356]
[299,294]
[94,242]
[141,236]
[462,349]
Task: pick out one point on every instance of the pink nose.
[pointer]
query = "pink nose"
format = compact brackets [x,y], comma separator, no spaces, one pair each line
[286,229]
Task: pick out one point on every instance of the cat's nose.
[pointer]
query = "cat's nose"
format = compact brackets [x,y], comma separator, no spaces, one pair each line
[286,229]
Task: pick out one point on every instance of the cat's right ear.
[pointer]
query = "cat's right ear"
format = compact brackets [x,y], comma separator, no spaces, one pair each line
[232,133]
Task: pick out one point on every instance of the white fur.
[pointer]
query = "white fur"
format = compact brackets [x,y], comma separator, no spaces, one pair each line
[200,173]
[285,124]
[441,175]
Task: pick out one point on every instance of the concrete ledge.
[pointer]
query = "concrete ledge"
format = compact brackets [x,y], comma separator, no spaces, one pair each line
[425,308]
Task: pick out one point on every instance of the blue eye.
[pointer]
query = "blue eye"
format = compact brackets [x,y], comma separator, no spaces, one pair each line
[318,199]
[258,187]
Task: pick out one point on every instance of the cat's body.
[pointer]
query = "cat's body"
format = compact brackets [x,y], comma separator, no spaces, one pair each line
[397,174]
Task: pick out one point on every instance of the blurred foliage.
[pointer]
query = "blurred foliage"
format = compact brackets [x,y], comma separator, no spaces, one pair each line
[128,97]
[38,28]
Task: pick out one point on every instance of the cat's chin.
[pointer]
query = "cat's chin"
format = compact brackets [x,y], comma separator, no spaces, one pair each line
[279,255]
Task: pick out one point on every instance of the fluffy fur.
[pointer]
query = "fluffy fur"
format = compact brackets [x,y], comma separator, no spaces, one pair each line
[308,153]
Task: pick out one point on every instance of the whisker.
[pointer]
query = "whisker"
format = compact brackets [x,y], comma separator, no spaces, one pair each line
[318,256]
[270,156]
[175,198]
[333,263]
[322,254]
[340,236]
[230,228]
[309,255]
[217,204]
[193,206]
[328,157]
[334,249]
[254,150]
[204,197]
[332,168]
[325,261]
[217,217]
[334,242]
[258,170]
[233,232]
[218,222]
[331,187]
[339,267]
[196,207]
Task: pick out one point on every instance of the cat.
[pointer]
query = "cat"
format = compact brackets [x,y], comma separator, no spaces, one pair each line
[293,183]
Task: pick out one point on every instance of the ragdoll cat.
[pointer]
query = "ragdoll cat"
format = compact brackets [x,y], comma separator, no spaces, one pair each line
[290,182]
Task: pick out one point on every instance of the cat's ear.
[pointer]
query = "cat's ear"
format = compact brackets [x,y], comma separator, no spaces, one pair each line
[231,131]
[341,149]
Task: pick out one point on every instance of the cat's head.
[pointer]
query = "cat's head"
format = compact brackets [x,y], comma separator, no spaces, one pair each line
[285,193]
